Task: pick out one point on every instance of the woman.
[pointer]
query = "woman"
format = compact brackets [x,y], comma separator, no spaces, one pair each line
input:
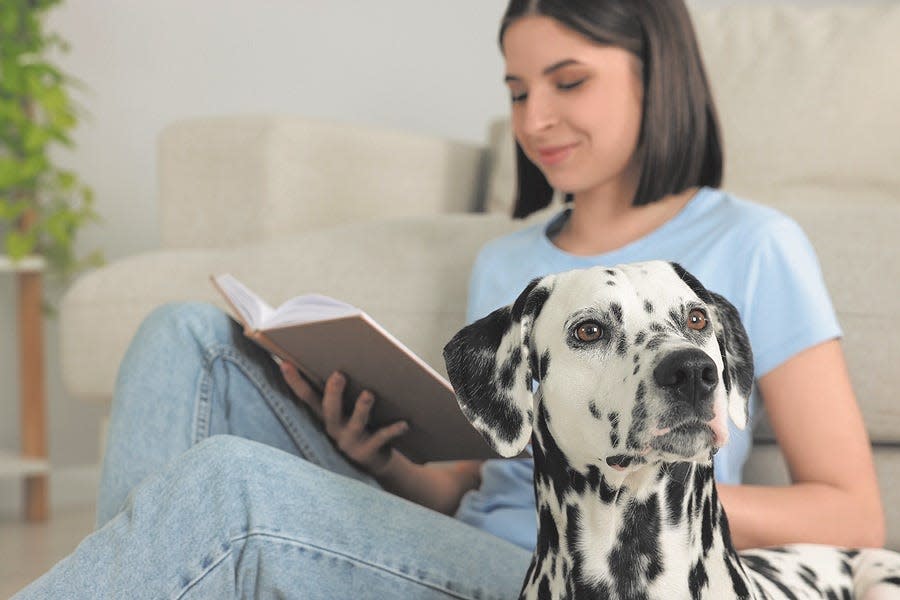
[610,105]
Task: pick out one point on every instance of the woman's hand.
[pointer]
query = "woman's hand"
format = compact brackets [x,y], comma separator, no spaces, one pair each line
[369,449]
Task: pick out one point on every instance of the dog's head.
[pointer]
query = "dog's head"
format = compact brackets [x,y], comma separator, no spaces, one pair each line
[634,364]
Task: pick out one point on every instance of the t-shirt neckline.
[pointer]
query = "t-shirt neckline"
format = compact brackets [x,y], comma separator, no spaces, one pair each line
[555,223]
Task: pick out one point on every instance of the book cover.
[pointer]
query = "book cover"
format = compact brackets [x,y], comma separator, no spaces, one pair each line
[320,335]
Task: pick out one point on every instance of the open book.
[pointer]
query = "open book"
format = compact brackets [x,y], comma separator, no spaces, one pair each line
[320,335]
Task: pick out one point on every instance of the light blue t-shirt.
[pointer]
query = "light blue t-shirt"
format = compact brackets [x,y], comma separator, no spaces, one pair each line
[756,257]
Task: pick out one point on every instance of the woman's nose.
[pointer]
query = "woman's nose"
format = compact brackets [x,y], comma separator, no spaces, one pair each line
[539,113]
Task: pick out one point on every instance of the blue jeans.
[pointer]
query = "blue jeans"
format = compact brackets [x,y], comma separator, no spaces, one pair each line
[217,484]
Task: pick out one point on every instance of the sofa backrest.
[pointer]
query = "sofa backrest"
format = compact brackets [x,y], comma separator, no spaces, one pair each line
[233,180]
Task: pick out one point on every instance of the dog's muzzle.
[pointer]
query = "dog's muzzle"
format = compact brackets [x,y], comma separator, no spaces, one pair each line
[688,376]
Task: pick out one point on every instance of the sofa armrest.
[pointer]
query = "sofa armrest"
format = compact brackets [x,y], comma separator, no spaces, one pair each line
[232,180]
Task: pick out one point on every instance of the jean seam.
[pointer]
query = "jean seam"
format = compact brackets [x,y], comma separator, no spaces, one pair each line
[339,555]
[273,399]
[203,405]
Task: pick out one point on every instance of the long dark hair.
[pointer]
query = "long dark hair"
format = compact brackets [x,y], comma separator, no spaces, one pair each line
[679,144]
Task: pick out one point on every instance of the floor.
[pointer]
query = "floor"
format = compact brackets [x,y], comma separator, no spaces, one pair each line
[30,549]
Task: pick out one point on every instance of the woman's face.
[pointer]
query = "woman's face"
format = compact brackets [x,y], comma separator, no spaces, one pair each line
[576,105]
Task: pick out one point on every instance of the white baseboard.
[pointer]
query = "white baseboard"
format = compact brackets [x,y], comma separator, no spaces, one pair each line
[70,488]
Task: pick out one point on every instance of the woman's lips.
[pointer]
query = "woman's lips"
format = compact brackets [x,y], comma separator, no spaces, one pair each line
[553,155]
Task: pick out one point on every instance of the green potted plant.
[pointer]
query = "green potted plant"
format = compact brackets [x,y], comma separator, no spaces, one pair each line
[42,206]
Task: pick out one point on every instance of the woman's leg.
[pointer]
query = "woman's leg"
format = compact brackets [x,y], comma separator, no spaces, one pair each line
[234,518]
[190,373]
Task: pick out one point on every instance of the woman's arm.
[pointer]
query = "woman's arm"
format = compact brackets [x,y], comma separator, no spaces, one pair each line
[440,487]
[834,497]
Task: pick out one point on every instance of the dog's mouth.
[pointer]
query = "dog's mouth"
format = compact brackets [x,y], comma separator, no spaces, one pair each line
[620,462]
[685,440]
[689,440]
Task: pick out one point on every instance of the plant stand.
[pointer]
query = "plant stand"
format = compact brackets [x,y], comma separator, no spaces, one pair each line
[31,463]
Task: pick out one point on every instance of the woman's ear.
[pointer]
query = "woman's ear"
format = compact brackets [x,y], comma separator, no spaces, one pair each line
[490,367]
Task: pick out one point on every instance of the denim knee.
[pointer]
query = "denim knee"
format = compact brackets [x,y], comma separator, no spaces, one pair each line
[242,471]
[198,320]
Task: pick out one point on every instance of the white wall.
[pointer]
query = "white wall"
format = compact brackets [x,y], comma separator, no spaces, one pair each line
[419,65]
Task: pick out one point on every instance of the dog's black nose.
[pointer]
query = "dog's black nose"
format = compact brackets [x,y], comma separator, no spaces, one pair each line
[689,375]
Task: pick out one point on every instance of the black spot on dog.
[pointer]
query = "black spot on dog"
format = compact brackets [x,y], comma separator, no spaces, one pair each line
[545,365]
[675,491]
[657,328]
[637,557]
[737,581]
[648,307]
[638,418]
[640,337]
[549,460]
[614,429]
[621,345]
[809,577]
[762,566]
[610,272]
[676,319]
[573,531]
[548,542]
[544,589]
[706,532]
[507,374]
[611,283]
[530,301]
[698,580]
[656,342]
[616,310]
[595,412]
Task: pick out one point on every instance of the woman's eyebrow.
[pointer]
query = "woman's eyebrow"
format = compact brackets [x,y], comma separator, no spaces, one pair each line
[554,67]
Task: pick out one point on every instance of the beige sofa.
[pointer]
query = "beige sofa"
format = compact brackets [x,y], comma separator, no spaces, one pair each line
[808,99]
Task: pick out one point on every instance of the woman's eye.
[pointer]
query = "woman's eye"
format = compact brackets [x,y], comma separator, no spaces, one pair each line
[589,331]
[518,97]
[697,320]
[570,85]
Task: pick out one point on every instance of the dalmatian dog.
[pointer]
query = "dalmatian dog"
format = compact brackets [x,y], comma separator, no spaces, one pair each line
[623,380]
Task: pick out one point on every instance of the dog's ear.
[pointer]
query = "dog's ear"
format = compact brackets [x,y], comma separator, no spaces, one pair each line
[737,356]
[734,345]
[491,368]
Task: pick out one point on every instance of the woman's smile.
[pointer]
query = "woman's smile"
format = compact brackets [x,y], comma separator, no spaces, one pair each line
[550,156]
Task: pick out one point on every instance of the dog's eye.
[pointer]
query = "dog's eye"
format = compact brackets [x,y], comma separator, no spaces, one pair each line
[697,320]
[589,331]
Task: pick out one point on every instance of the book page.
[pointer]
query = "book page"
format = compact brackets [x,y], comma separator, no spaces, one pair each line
[252,309]
[307,309]
[258,314]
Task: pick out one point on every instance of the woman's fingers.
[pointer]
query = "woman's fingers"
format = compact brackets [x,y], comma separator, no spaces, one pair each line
[333,404]
[301,388]
[352,436]
[382,437]
[361,411]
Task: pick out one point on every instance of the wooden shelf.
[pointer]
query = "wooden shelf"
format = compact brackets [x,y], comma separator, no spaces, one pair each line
[25,265]
[12,465]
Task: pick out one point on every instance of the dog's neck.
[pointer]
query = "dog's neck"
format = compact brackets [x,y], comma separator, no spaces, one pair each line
[606,534]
